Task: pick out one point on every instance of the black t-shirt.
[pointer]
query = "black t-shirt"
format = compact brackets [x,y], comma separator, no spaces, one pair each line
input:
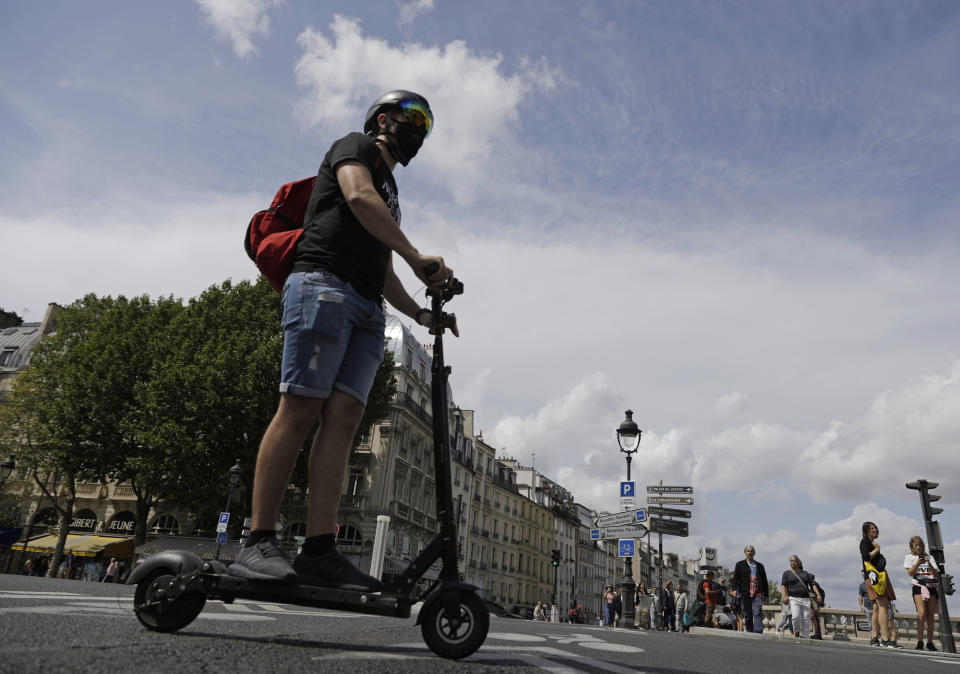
[879,561]
[333,239]
[796,587]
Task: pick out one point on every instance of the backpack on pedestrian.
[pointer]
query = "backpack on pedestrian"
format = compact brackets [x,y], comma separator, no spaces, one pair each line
[272,235]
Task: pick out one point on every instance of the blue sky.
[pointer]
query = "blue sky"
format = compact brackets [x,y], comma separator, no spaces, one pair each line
[738,219]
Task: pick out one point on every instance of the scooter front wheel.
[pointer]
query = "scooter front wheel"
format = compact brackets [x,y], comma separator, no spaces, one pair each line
[461,636]
[162,605]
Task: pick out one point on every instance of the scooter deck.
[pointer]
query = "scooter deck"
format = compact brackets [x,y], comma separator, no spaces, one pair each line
[228,588]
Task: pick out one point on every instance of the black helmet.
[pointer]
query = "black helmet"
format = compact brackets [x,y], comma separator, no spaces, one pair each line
[414,106]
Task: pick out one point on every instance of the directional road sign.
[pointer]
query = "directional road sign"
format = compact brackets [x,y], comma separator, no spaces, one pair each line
[629,517]
[667,512]
[606,533]
[672,500]
[627,547]
[664,489]
[669,527]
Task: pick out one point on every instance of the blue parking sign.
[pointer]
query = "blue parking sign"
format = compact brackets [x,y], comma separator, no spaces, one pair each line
[628,490]
[594,534]
[222,538]
[627,547]
[224,518]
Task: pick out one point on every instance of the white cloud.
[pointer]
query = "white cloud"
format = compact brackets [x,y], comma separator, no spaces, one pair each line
[908,433]
[412,9]
[239,21]
[475,103]
[732,403]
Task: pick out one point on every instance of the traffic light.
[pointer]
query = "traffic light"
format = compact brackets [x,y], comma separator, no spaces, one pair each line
[555,559]
[926,498]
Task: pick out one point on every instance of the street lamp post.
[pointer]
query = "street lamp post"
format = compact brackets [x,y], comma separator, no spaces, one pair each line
[234,484]
[628,437]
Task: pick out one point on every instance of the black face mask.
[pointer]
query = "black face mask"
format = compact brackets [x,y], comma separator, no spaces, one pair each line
[405,142]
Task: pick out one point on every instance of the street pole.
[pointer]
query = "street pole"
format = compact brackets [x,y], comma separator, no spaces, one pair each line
[660,577]
[628,433]
[935,544]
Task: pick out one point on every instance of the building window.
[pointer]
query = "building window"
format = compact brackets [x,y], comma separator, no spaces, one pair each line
[356,482]
[349,535]
[6,357]
[295,531]
[166,524]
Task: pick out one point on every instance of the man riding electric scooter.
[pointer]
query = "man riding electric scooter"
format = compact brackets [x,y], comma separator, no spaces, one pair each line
[333,326]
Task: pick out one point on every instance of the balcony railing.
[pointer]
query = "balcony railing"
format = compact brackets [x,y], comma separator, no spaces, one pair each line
[474,529]
[296,498]
[485,533]
[401,509]
[351,501]
[89,489]
[476,497]
[409,403]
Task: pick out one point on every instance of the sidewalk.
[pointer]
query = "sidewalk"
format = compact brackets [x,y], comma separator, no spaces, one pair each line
[828,641]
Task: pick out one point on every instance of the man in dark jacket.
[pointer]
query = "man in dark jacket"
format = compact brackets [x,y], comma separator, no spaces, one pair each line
[750,585]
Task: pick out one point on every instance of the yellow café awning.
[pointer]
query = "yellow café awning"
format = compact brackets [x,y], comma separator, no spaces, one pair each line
[83,545]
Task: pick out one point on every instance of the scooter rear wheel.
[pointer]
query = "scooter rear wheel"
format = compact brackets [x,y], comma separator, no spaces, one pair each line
[460,637]
[161,607]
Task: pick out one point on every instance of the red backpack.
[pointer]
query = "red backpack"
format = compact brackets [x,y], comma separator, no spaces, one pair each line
[272,235]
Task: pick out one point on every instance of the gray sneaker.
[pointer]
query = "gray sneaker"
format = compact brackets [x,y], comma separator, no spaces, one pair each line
[265,561]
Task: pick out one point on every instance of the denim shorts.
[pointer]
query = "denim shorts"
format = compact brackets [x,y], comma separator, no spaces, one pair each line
[332,337]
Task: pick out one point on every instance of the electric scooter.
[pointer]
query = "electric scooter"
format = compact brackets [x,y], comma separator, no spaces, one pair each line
[173,587]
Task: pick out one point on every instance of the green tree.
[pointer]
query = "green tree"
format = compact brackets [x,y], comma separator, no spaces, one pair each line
[775,596]
[54,409]
[212,393]
[9,319]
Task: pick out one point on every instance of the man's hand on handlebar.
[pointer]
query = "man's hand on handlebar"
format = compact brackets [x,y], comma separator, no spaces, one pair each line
[431,270]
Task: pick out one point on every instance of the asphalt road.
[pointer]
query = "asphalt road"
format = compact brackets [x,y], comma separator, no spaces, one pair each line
[49,625]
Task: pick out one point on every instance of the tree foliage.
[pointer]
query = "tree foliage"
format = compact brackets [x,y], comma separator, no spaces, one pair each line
[9,319]
[159,395]
[211,393]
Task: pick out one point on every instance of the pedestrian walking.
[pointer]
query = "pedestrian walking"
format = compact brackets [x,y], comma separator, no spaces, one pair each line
[112,569]
[539,612]
[609,601]
[682,606]
[750,587]
[333,334]
[878,584]
[643,607]
[63,571]
[923,572]
[667,608]
[815,605]
[786,620]
[795,590]
[707,592]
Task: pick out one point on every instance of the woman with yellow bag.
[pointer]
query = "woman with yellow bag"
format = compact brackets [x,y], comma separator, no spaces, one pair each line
[878,585]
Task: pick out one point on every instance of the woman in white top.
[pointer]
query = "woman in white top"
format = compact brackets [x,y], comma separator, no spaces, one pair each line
[923,571]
